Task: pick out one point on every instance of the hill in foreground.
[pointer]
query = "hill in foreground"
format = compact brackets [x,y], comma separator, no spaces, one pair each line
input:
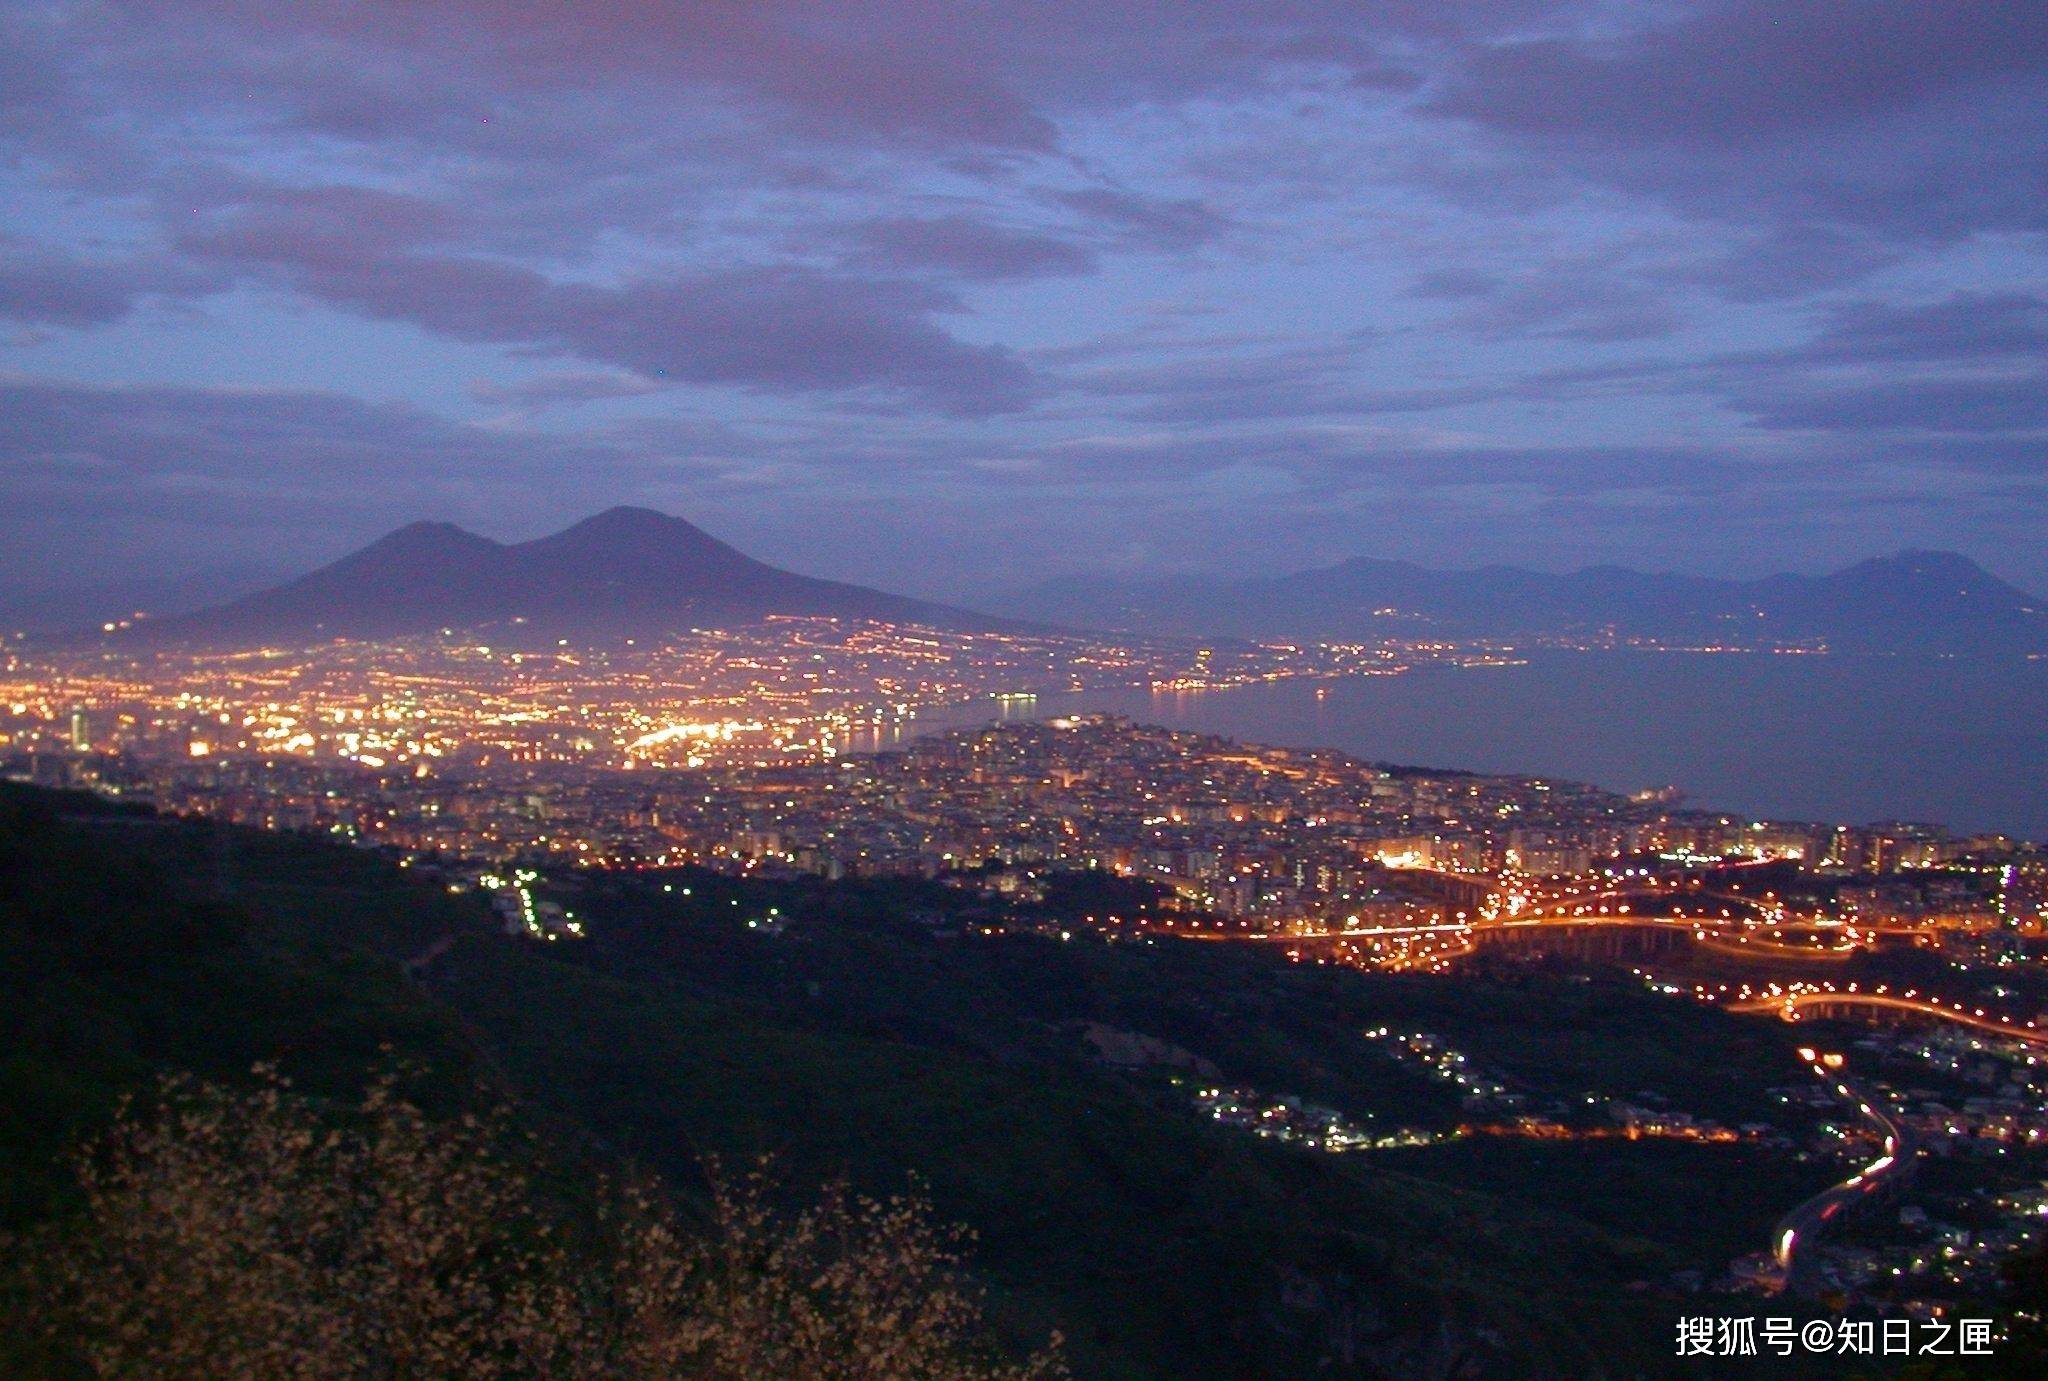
[852,1040]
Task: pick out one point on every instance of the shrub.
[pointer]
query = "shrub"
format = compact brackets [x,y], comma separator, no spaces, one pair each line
[240,1234]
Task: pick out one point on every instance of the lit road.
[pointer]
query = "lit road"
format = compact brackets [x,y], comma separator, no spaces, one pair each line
[1564,919]
[1620,900]
[1281,937]
[1791,1005]
[1744,947]
[1798,1230]
[1554,922]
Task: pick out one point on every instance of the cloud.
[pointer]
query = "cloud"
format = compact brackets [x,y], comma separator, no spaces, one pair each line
[1167,224]
[1962,326]
[1454,284]
[836,72]
[40,286]
[921,74]
[1914,120]
[1454,262]
[1966,363]
[1304,380]
[1790,261]
[543,390]
[1935,405]
[969,248]
[1573,303]
[781,329]
[264,443]
[125,478]
[1732,75]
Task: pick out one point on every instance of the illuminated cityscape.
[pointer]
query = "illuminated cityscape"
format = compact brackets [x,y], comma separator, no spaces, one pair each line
[788,690]
[848,751]
[899,691]
[819,748]
[797,745]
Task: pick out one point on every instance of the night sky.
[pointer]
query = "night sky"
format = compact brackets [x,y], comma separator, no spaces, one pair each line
[949,297]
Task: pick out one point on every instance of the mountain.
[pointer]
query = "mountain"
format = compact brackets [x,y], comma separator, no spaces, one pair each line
[625,572]
[1920,601]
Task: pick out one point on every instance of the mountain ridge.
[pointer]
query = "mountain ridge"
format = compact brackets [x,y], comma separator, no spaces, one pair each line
[632,571]
[624,572]
[1916,600]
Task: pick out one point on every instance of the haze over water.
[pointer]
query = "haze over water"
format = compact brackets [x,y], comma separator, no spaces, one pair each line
[1848,739]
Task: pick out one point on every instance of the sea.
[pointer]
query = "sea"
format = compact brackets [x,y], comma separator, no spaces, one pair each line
[1844,739]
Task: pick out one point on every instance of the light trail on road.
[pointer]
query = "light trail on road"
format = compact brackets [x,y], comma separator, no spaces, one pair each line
[1799,1229]
[1790,1005]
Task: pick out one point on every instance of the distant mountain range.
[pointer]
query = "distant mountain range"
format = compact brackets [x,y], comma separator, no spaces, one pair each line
[627,572]
[633,572]
[1919,601]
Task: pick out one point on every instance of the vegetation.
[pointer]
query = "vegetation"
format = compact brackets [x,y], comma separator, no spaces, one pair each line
[859,1046]
[242,1234]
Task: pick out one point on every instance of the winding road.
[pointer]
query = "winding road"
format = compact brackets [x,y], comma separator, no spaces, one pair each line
[1798,1230]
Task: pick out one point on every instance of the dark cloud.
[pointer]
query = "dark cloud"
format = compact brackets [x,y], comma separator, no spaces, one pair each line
[40,286]
[138,446]
[582,387]
[1385,77]
[1910,120]
[1962,326]
[1790,261]
[1964,363]
[967,247]
[834,70]
[1455,284]
[32,88]
[2015,467]
[1169,224]
[1333,379]
[781,329]
[1573,303]
[1967,363]
[46,289]
[1734,74]
[161,477]
[1936,405]
[1227,272]
[1402,466]
[920,73]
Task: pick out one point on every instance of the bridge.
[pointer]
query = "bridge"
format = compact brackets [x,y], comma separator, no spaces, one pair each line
[1749,947]
[1678,924]
[1825,1002]
[1490,931]
[1601,925]
[1624,901]
[1587,937]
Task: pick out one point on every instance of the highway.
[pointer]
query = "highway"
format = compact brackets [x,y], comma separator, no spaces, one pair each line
[1791,1005]
[1797,1232]
[1743,947]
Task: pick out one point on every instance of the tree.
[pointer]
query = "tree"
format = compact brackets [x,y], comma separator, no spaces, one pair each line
[243,1235]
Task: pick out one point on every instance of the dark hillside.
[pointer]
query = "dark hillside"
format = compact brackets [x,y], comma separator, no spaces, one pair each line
[853,1042]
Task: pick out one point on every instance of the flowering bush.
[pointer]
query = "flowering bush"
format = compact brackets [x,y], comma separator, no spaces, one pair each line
[242,1235]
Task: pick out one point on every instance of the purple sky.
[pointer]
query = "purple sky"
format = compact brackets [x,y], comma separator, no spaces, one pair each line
[947,296]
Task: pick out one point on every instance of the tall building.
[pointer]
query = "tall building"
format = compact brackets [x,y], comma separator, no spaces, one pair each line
[81,733]
[2023,896]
